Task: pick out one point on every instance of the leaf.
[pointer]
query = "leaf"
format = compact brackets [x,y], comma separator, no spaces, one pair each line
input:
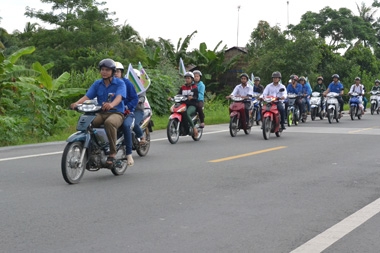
[62,79]
[14,57]
[45,79]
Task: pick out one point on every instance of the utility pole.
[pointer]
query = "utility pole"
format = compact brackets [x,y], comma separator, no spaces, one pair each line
[237,40]
[287,2]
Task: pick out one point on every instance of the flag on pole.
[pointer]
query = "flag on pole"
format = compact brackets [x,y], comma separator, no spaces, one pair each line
[252,77]
[182,70]
[251,80]
[131,75]
[144,78]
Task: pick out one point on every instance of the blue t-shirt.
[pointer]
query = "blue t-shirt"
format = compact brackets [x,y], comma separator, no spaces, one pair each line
[131,99]
[306,89]
[201,91]
[296,90]
[335,87]
[108,94]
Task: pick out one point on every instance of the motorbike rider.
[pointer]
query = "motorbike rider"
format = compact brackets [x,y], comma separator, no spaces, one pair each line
[273,89]
[336,86]
[377,85]
[358,88]
[320,87]
[296,88]
[257,87]
[190,90]
[306,93]
[110,93]
[130,103]
[245,90]
[201,96]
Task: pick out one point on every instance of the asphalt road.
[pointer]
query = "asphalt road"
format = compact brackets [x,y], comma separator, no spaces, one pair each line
[315,188]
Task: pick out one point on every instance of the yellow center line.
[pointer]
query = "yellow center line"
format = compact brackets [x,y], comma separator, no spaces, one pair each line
[361,130]
[247,154]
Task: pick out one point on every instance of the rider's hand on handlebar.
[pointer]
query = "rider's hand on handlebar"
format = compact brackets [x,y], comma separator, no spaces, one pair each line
[107,106]
[73,106]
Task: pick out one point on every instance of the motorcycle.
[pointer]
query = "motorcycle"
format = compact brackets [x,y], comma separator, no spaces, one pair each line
[238,119]
[332,106]
[178,125]
[256,105]
[146,126]
[304,105]
[271,116]
[89,147]
[355,110]
[317,106]
[293,111]
[375,107]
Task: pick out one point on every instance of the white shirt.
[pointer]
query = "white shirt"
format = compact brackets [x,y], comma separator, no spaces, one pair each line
[242,91]
[357,88]
[274,90]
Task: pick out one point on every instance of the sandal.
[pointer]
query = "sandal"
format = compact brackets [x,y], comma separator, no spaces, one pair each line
[110,160]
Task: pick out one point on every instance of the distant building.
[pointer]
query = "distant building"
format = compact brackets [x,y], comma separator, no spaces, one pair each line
[231,76]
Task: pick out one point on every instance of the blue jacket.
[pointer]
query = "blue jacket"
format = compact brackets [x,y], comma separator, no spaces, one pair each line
[306,89]
[335,87]
[201,91]
[131,99]
[108,94]
[297,90]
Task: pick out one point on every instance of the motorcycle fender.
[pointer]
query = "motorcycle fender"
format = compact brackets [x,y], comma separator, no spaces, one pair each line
[81,137]
[268,114]
[176,116]
[313,106]
[331,107]
[234,113]
[373,102]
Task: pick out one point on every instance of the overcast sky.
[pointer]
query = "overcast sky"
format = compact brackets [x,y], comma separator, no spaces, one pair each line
[173,19]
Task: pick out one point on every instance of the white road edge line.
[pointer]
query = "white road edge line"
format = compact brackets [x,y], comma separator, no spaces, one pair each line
[339,230]
[60,152]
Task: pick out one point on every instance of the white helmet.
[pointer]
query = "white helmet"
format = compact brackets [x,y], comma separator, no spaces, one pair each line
[119,65]
[137,72]
[197,72]
[189,74]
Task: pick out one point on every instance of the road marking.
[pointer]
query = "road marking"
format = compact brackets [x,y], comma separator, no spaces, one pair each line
[29,156]
[247,154]
[336,232]
[60,152]
[361,130]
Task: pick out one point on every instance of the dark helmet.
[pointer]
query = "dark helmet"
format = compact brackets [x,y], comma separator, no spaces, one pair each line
[335,75]
[276,74]
[197,72]
[319,78]
[257,78]
[108,63]
[244,74]
[294,77]
[357,78]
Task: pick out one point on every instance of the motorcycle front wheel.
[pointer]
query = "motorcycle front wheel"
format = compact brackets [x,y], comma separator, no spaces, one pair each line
[121,164]
[352,112]
[313,113]
[330,115]
[142,149]
[267,125]
[71,171]
[233,126]
[372,109]
[290,118]
[171,131]
[321,114]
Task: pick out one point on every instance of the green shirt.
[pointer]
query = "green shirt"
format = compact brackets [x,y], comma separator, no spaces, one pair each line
[320,88]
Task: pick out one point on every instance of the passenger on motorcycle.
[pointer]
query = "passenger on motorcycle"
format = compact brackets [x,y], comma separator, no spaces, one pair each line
[201,96]
[358,88]
[377,85]
[273,89]
[245,90]
[110,93]
[130,103]
[306,93]
[190,90]
[139,112]
[336,86]
[295,88]
[257,87]
[320,87]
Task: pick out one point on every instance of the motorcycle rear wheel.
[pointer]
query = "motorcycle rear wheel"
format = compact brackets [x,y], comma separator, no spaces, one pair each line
[171,131]
[248,130]
[234,126]
[142,149]
[267,126]
[322,115]
[71,172]
[120,165]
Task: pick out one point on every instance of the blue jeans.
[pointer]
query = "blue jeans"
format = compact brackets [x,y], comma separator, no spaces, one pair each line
[281,108]
[128,121]
[138,118]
